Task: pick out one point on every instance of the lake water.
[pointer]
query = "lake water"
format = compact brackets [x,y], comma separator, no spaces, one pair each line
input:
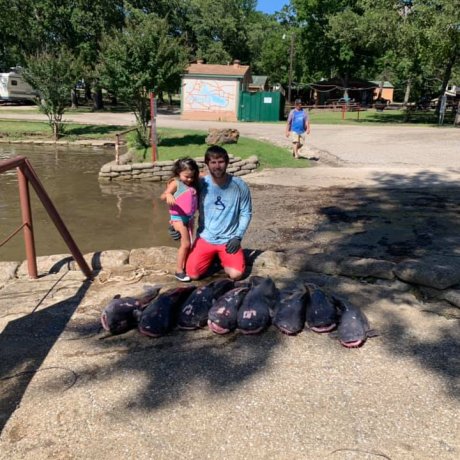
[98,216]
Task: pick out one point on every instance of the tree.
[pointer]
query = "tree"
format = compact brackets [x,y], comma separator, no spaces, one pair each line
[53,75]
[141,58]
[28,27]
[269,40]
[218,31]
[418,42]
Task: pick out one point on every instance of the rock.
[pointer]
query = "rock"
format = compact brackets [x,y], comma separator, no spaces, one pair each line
[354,266]
[269,259]
[304,261]
[48,264]
[107,167]
[146,165]
[249,166]
[452,296]
[162,257]
[103,259]
[394,284]
[241,172]
[222,136]
[440,308]
[8,271]
[121,168]
[437,272]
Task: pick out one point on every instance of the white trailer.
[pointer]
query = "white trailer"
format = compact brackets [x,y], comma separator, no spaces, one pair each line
[13,88]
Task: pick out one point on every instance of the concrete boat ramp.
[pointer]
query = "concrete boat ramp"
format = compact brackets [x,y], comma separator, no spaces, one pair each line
[70,391]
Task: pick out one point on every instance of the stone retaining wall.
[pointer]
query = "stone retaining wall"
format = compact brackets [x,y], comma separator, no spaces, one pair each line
[158,171]
[431,278]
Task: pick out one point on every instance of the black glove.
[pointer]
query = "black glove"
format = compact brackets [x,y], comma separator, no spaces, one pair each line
[173,233]
[233,245]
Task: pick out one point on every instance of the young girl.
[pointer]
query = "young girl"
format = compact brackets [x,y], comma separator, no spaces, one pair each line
[182,197]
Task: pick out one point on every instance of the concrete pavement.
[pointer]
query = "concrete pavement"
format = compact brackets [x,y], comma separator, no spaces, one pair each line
[69,391]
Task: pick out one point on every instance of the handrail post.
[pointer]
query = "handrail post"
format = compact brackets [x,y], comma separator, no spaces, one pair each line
[56,218]
[24,198]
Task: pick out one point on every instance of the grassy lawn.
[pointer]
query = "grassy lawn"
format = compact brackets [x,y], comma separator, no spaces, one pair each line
[385,117]
[175,143]
[41,130]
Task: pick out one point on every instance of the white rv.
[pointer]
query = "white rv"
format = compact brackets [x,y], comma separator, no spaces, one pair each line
[13,88]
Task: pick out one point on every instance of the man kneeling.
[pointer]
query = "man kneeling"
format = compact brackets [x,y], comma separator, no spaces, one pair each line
[225,211]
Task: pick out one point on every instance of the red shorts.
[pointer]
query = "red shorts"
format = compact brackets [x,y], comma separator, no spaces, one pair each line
[202,255]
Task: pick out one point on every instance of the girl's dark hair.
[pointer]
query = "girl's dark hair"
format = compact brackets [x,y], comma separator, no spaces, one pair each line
[187,163]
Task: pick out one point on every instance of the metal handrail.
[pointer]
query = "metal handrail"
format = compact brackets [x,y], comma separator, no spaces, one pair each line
[26,175]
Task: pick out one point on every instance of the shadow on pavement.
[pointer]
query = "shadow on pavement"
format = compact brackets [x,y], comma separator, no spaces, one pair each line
[25,342]
[395,224]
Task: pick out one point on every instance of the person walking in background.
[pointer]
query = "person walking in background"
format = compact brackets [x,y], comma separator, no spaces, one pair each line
[298,123]
[181,195]
[224,216]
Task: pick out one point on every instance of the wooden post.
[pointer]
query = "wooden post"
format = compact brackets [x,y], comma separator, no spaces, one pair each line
[153,132]
[117,149]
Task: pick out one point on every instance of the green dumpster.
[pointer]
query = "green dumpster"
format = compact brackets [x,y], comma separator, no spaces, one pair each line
[261,106]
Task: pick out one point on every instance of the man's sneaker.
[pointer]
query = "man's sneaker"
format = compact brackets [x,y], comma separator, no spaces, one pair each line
[183,277]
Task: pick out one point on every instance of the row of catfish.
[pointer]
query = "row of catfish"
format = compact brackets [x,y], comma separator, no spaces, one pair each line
[249,306]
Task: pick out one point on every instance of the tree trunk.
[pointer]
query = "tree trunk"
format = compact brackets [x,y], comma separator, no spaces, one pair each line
[407,93]
[87,92]
[55,131]
[380,91]
[74,98]
[447,75]
[97,99]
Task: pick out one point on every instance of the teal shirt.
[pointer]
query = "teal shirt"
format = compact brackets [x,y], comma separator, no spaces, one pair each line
[225,212]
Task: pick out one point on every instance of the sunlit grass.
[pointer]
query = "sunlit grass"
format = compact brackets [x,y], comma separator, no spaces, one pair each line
[373,117]
[23,130]
[176,143]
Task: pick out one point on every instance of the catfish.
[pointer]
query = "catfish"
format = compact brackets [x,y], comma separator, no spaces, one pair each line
[291,311]
[257,308]
[194,312]
[321,312]
[159,316]
[122,313]
[222,316]
[354,328]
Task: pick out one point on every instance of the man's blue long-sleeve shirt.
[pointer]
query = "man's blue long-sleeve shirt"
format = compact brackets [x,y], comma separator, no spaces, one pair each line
[225,211]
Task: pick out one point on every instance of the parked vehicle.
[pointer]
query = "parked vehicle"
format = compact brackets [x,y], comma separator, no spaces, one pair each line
[381,104]
[13,88]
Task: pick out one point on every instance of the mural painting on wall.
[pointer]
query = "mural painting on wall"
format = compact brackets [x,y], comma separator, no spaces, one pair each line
[210,95]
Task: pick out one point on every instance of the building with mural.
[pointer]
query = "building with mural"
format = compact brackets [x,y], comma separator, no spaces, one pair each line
[212,91]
